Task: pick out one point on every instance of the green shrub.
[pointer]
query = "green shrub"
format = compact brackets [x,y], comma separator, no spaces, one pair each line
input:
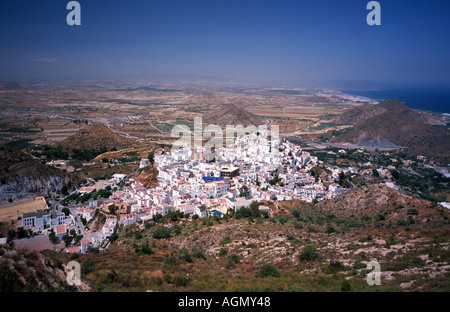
[161,232]
[269,270]
[358,265]
[392,241]
[110,277]
[333,267]
[352,223]
[87,266]
[149,225]
[413,212]
[380,217]
[170,260]
[138,235]
[225,240]
[309,253]
[296,288]
[346,286]
[144,250]
[234,258]
[418,261]
[223,251]
[199,254]
[180,280]
[184,255]
[331,229]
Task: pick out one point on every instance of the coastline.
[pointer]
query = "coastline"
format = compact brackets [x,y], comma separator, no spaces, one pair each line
[427,100]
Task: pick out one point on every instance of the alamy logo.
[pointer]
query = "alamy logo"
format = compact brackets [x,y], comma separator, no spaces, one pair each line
[374,16]
[374,277]
[74,274]
[247,140]
[74,16]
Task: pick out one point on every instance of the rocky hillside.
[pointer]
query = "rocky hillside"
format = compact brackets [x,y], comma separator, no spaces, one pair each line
[392,122]
[96,137]
[21,174]
[301,247]
[232,115]
[148,176]
[22,270]
[374,201]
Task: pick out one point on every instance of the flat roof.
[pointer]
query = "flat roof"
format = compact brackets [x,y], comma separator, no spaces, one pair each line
[37,213]
[229,169]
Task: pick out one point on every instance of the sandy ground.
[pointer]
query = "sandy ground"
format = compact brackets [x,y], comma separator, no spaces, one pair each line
[10,212]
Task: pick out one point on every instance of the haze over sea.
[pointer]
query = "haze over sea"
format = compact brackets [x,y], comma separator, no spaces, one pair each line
[435,100]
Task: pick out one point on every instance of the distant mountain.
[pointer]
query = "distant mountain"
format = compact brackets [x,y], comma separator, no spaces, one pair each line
[232,115]
[22,175]
[96,137]
[392,121]
[363,112]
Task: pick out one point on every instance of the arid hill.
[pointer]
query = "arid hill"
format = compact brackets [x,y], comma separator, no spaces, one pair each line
[232,115]
[393,121]
[361,113]
[97,137]
[17,163]
[375,200]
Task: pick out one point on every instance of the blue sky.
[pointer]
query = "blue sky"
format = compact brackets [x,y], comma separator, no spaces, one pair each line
[279,42]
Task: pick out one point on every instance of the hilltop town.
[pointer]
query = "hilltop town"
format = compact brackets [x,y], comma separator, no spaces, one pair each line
[193,186]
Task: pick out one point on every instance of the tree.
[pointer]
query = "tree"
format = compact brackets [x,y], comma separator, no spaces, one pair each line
[243,191]
[53,238]
[157,217]
[67,240]
[11,235]
[151,158]
[64,189]
[21,233]
[375,173]
[254,209]
[112,209]
[395,174]
[66,211]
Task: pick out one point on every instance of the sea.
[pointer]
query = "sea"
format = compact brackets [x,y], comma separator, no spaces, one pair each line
[434,100]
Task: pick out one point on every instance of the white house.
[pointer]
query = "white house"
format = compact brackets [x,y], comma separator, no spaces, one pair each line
[109,228]
[88,214]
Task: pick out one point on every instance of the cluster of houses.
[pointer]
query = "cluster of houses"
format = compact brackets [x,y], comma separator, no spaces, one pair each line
[239,175]
[45,219]
[250,170]
[255,168]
